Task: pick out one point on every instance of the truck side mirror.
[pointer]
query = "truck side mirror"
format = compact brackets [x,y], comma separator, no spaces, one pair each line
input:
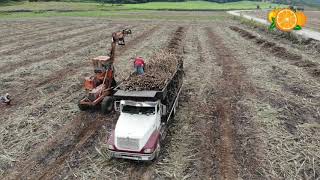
[117,105]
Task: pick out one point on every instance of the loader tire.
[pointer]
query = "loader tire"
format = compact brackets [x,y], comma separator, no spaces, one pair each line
[83,107]
[107,105]
[113,83]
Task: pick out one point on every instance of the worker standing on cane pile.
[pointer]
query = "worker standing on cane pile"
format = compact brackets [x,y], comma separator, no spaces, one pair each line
[139,65]
[5,99]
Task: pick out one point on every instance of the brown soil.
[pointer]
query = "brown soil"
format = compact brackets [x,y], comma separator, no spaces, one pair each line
[44,42]
[41,35]
[25,28]
[291,94]
[281,52]
[54,54]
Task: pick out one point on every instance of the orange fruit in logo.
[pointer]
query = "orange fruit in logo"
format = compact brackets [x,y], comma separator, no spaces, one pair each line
[302,19]
[272,14]
[286,20]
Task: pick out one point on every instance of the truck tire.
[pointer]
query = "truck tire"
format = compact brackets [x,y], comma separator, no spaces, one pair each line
[83,107]
[157,151]
[173,114]
[107,104]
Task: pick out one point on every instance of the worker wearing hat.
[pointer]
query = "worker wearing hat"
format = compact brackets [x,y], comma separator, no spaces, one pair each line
[139,65]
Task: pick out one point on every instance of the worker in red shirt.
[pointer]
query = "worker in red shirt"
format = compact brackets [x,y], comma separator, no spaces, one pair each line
[139,65]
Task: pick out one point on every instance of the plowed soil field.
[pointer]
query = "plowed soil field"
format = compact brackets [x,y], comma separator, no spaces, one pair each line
[313,21]
[249,109]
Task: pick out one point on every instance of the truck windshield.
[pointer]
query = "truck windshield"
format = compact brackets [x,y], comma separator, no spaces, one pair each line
[138,110]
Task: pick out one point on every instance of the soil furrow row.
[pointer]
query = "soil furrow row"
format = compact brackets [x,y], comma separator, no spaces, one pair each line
[31,32]
[41,34]
[175,46]
[206,135]
[82,139]
[44,42]
[26,30]
[312,68]
[47,161]
[285,105]
[230,91]
[55,54]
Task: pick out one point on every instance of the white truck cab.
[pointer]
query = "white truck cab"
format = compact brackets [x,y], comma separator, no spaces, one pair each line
[137,132]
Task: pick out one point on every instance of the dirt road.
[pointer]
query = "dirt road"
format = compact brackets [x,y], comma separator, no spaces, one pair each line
[249,107]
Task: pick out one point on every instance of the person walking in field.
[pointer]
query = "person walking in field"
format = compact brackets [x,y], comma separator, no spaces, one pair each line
[139,65]
[5,99]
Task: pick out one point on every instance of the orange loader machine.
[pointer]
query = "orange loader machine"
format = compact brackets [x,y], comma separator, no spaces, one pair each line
[99,87]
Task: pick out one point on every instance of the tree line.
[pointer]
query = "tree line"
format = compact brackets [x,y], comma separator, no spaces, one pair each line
[121,1]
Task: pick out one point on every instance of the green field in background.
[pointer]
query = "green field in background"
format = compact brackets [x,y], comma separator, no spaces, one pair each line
[51,9]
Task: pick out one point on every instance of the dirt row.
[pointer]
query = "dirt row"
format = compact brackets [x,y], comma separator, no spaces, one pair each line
[18,28]
[174,45]
[192,150]
[311,67]
[77,41]
[47,41]
[284,107]
[40,34]
[33,29]
[228,114]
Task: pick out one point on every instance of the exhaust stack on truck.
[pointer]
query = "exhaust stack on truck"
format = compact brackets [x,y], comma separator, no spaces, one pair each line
[145,111]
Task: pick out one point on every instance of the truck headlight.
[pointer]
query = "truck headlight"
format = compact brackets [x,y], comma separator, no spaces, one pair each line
[147,150]
[111,147]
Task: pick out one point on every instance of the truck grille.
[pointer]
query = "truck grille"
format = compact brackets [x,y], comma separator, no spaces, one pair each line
[128,143]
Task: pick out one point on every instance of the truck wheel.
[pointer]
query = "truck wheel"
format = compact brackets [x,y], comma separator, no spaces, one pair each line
[83,107]
[107,104]
[157,151]
[173,113]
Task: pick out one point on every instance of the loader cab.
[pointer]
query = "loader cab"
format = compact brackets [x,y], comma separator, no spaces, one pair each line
[100,64]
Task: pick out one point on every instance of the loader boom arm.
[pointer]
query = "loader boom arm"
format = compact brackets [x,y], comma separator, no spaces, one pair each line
[117,37]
